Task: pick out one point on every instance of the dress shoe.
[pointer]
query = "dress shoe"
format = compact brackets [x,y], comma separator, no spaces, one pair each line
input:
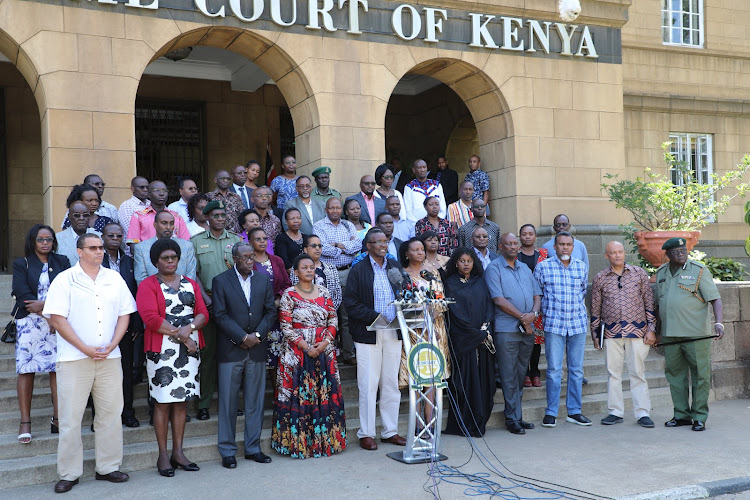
[527,382]
[578,419]
[229,462]
[130,421]
[203,414]
[612,420]
[350,360]
[549,421]
[64,486]
[240,413]
[259,457]
[526,425]
[165,472]
[678,422]
[699,426]
[395,439]
[515,428]
[113,477]
[368,443]
[191,467]
[536,381]
[53,426]
[646,422]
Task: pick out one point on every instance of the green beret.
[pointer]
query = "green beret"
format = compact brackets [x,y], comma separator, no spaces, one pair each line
[321,170]
[213,205]
[673,243]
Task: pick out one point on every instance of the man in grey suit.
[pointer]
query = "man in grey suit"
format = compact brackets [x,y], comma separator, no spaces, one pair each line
[244,311]
[371,204]
[164,225]
[312,210]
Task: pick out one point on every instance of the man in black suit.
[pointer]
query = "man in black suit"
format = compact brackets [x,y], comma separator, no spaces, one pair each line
[365,196]
[244,311]
[117,260]
[369,293]
[447,178]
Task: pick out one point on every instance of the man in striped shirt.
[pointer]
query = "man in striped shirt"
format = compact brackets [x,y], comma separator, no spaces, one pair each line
[459,213]
[622,302]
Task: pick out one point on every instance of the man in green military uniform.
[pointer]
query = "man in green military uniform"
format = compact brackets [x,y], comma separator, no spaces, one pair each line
[213,255]
[322,191]
[684,289]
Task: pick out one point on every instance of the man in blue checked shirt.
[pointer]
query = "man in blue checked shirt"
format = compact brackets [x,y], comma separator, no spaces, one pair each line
[563,280]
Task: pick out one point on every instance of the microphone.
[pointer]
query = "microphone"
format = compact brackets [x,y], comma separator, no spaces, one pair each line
[395,278]
[427,275]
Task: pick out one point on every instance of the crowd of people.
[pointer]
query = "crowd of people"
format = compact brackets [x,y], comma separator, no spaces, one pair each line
[220,291]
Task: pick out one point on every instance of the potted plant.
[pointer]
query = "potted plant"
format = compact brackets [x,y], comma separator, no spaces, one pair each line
[665,209]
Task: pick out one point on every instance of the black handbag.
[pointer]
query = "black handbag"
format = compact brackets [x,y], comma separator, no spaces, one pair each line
[9,333]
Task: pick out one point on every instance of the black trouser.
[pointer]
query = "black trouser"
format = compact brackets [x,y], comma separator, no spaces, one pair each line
[533,370]
[127,353]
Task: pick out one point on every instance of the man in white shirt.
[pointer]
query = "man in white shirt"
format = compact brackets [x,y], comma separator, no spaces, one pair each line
[420,189]
[187,189]
[239,178]
[310,209]
[136,203]
[89,306]
[402,229]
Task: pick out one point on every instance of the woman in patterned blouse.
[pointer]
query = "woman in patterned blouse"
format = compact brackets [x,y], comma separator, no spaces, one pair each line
[284,186]
[326,274]
[445,232]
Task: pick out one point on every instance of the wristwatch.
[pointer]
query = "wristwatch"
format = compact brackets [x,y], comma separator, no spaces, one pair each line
[192,326]
[257,335]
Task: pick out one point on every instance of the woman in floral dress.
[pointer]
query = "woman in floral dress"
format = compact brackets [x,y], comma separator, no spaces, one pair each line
[309,418]
[447,237]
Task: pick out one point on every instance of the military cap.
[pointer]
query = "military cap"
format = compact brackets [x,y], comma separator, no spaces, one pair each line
[321,170]
[673,243]
[213,205]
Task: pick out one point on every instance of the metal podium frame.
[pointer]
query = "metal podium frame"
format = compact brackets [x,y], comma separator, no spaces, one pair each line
[422,446]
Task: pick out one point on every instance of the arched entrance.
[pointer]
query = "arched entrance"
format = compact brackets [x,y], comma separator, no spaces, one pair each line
[444,100]
[216,97]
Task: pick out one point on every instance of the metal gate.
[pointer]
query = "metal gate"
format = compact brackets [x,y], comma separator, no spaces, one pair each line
[170,142]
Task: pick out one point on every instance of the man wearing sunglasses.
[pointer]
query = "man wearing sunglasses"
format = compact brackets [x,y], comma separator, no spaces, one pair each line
[79,225]
[622,303]
[372,206]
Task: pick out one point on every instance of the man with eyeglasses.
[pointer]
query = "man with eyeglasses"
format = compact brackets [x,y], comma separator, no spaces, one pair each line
[89,307]
[271,224]
[465,232]
[116,260]
[136,203]
[187,188]
[622,303]
[213,255]
[164,225]
[310,209]
[239,178]
[561,223]
[142,223]
[372,206]
[231,200]
[79,225]
[684,289]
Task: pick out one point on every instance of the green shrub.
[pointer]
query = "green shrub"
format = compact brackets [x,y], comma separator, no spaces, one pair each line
[722,268]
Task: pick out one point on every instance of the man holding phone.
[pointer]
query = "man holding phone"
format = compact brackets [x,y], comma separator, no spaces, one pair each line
[518,300]
[622,302]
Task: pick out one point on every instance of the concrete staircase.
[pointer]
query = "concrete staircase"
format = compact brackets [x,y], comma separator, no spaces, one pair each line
[36,462]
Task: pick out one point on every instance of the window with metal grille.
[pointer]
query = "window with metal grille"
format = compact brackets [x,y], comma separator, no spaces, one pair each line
[682,22]
[170,142]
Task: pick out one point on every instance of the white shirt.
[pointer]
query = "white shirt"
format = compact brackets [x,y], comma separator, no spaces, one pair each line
[403,229]
[309,207]
[194,228]
[239,190]
[402,212]
[92,308]
[414,202]
[180,206]
[245,284]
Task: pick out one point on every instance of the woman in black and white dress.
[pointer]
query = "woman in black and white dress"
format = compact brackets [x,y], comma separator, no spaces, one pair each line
[173,314]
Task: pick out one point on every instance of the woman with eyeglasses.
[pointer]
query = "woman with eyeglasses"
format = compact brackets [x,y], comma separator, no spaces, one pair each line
[90,197]
[384,178]
[531,256]
[173,313]
[36,343]
[446,233]
[273,267]
[326,274]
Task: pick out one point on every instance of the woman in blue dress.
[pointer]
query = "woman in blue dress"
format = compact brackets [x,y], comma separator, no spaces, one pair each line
[284,186]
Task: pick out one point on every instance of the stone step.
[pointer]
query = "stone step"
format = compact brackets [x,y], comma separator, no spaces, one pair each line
[41,467]
[6,301]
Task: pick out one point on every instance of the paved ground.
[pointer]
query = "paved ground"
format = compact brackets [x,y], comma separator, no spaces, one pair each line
[611,461]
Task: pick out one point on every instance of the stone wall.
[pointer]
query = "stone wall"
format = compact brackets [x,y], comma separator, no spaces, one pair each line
[730,356]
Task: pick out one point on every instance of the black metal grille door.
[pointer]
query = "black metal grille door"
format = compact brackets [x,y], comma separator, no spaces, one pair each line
[170,142]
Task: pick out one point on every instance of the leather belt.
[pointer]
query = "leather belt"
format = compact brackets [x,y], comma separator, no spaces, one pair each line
[342,268]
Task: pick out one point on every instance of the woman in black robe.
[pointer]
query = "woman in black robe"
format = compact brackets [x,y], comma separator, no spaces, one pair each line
[472,384]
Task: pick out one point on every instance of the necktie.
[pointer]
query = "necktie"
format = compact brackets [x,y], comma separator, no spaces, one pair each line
[244,197]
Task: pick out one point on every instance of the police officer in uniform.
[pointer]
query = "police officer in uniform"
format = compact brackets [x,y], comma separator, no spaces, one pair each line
[684,289]
[213,256]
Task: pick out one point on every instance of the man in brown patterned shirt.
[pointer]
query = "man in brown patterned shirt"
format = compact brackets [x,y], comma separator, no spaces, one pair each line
[232,201]
[271,224]
[622,301]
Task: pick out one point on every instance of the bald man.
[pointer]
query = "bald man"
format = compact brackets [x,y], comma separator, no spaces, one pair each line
[623,303]
[372,206]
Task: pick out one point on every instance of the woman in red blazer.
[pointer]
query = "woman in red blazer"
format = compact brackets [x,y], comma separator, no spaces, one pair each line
[173,314]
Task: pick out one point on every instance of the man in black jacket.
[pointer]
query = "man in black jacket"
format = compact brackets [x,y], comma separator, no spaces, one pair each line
[244,311]
[369,294]
[447,178]
[117,260]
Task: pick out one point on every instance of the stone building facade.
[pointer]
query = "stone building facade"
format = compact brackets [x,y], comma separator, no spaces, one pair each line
[551,107]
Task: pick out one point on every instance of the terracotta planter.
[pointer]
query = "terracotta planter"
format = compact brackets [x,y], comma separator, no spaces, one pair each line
[650,242]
